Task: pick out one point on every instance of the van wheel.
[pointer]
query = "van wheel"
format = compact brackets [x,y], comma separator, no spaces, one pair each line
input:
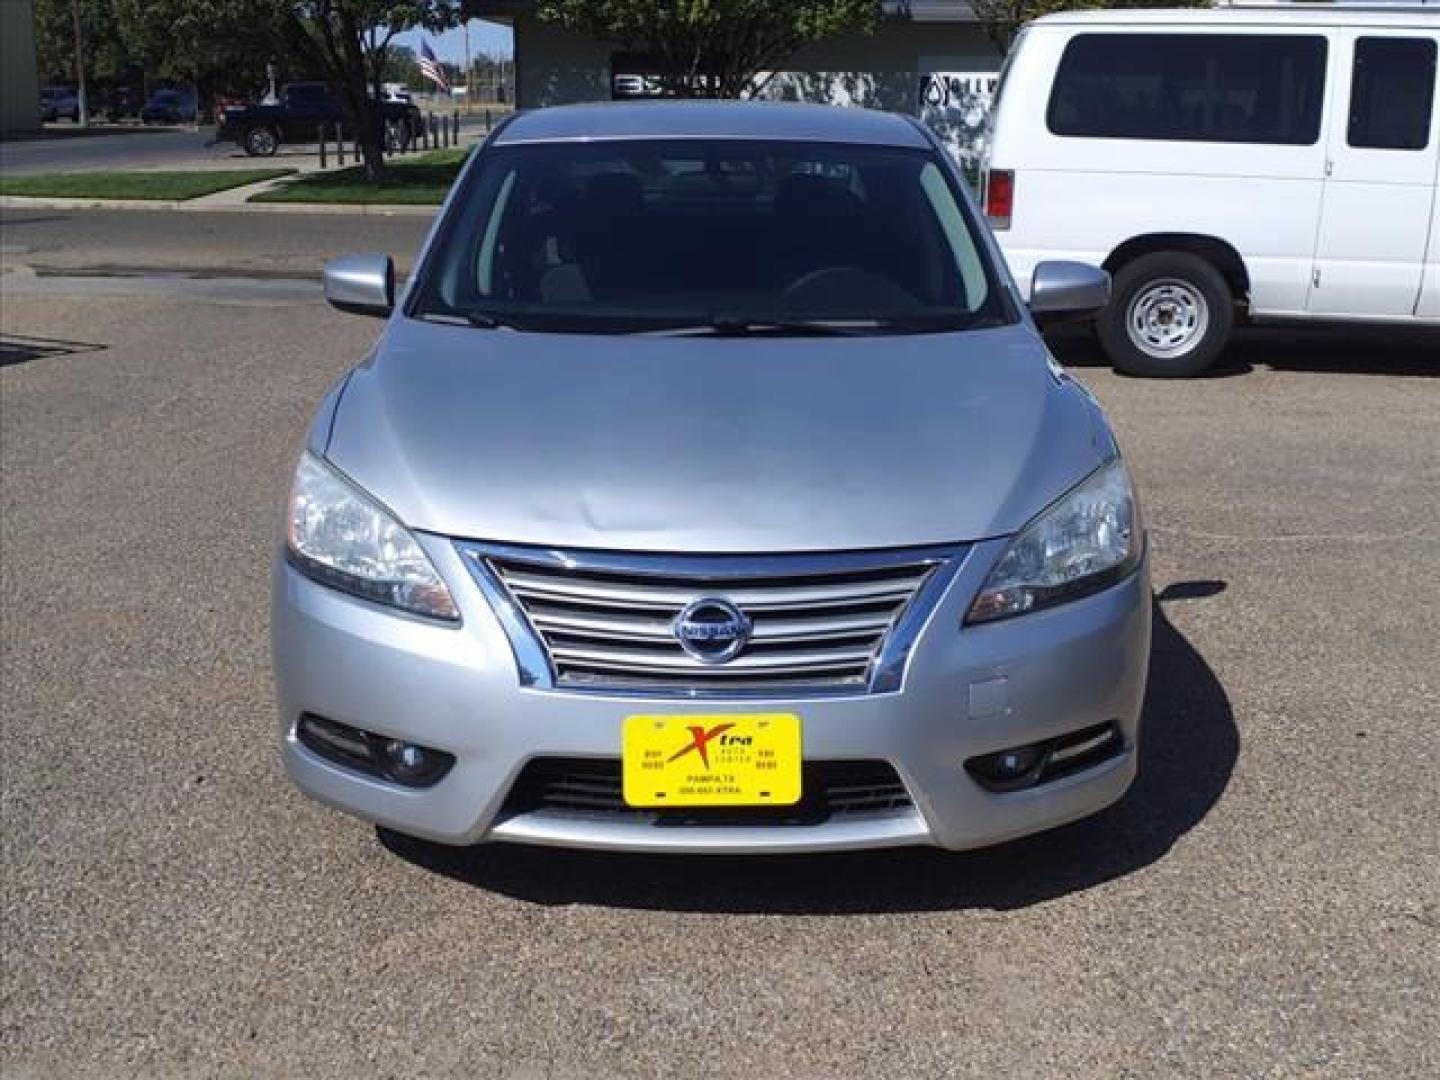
[1170,314]
[260,142]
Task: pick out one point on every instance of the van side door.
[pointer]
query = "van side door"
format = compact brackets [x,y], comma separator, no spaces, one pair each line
[1429,305]
[1383,141]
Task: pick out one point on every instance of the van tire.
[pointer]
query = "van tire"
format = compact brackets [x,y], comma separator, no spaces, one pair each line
[1170,316]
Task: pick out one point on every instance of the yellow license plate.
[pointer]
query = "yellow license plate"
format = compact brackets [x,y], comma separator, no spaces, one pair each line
[749,759]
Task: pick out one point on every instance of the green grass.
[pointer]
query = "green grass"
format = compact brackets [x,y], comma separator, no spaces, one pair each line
[418,181]
[135,185]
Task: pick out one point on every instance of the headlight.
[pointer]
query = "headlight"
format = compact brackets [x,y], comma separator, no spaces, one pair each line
[339,536]
[1087,540]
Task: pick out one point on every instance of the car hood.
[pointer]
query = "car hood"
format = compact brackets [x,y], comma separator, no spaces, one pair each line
[713,444]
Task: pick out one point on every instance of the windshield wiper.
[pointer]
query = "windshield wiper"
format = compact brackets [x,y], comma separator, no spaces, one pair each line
[725,326]
[478,319]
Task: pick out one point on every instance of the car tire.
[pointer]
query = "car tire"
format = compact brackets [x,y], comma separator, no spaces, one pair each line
[260,141]
[1170,316]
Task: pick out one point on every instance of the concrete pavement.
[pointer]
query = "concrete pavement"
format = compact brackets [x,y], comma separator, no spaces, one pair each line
[1264,904]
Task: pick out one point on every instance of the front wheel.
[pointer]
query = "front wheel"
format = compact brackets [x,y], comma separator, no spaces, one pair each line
[1170,315]
[260,142]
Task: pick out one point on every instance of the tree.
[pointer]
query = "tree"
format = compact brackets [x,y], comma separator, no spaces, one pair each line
[401,66]
[1002,19]
[347,43]
[105,52]
[714,48]
[216,45]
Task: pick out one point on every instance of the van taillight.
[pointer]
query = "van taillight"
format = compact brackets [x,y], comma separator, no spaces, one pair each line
[999,197]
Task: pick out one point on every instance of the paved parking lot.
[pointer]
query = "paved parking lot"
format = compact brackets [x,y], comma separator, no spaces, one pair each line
[1266,902]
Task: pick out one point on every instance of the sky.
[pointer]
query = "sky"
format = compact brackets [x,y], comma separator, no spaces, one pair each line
[485,37]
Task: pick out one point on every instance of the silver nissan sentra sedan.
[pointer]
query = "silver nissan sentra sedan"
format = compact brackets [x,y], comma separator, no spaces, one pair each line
[710,489]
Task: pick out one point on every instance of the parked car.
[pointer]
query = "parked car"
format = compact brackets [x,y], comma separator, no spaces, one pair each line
[1269,163]
[170,107]
[305,108]
[59,103]
[711,489]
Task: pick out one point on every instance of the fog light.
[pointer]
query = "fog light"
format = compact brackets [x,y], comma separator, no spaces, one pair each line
[407,763]
[375,755]
[1008,769]
[1038,763]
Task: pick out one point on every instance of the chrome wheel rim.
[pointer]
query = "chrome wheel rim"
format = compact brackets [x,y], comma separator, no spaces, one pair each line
[1167,318]
[261,141]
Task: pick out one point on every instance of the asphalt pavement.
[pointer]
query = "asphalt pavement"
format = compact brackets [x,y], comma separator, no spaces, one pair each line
[63,148]
[1265,903]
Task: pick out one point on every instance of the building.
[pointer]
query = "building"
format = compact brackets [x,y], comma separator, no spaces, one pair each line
[19,83]
[933,60]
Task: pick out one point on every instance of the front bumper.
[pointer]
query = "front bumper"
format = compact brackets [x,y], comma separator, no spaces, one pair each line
[966,692]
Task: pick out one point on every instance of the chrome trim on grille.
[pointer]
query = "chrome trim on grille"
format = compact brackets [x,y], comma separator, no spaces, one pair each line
[602,622]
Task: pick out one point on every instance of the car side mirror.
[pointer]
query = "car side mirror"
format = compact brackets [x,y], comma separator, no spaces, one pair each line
[1064,291]
[361,284]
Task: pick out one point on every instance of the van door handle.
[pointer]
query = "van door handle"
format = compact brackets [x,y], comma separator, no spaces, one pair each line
[1329,166]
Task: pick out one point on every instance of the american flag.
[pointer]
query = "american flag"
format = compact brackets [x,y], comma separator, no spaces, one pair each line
[430,68]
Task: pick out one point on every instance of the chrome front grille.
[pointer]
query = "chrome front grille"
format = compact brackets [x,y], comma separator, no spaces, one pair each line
[817,623]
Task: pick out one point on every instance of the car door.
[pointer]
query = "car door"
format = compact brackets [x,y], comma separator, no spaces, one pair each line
[1429,305]
[1380,176]
[304,112]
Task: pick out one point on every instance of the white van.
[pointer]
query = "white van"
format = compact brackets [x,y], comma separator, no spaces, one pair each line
[1262,162]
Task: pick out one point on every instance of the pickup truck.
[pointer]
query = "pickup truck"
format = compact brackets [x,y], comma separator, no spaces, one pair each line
[302,110]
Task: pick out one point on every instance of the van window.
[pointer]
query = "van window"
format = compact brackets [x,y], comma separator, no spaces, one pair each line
[1392,92]
[1237,88]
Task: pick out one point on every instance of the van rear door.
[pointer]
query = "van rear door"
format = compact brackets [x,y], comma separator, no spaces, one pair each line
[1382,145]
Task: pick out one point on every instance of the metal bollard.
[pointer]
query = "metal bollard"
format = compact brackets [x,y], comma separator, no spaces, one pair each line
[322,146]
[339,144]
[455,129]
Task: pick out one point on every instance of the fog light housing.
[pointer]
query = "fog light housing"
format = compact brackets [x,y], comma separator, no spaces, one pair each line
[1008,770]
[1032,764]
[404,763]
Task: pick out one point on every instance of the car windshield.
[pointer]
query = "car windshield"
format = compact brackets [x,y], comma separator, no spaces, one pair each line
[711,236]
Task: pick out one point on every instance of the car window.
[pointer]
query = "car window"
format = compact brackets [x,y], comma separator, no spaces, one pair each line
[1392,93]
[306,94]
[635,235]
[1239,88]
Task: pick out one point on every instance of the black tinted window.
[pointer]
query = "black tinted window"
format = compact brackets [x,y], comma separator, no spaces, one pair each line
[307,94]
[1243,88]
[1392,93]
[624,236]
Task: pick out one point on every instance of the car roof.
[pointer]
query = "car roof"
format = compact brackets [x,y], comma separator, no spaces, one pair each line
[711,120]
[1266,16]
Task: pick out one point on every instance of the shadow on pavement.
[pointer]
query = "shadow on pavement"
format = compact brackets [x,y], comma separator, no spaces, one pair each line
[1341,350]
[1188,751]
[20,348]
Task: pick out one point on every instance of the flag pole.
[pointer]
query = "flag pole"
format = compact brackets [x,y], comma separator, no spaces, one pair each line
[469,73]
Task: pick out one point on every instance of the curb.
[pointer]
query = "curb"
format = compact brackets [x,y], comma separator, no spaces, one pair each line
[21,202]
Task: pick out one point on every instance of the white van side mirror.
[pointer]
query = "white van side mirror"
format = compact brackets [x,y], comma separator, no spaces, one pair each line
[1060,291]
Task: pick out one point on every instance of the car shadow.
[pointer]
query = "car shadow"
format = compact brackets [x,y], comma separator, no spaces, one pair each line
[1188,751]
[1341,350]
[22,348]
